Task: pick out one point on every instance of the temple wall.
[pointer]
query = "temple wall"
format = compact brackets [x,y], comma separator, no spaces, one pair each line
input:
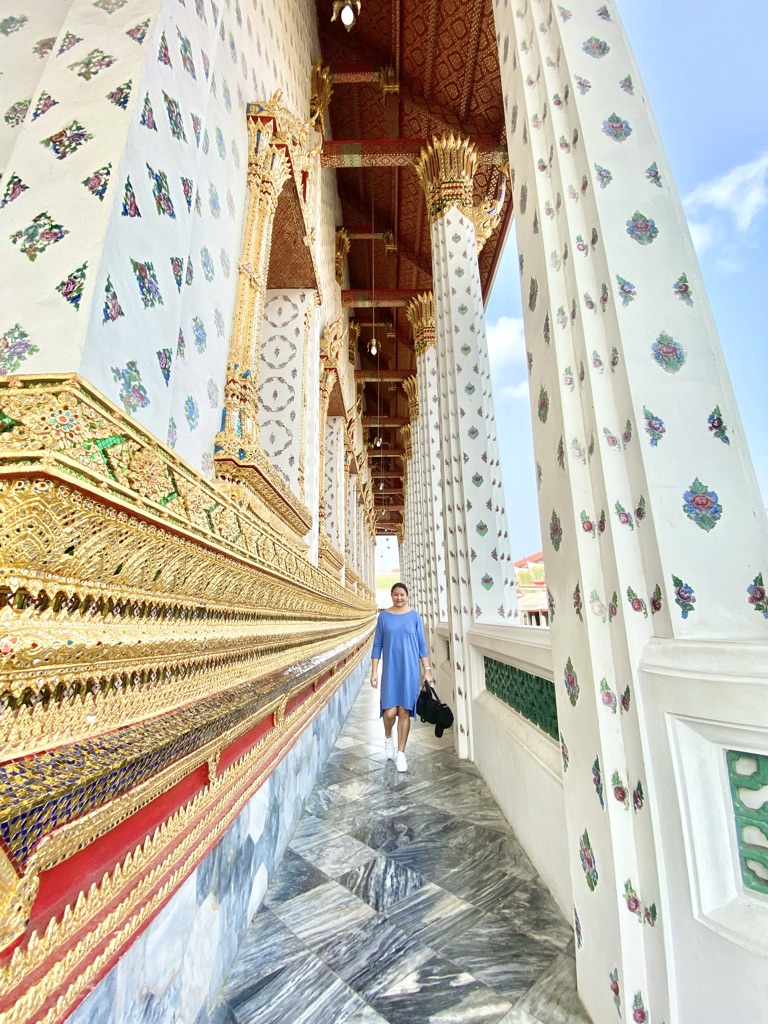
[173,970]
[132,283]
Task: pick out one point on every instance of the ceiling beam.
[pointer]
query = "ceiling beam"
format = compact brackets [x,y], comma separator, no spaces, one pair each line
[364,299]
[385,453]
[383,375]
[397,152]
[385,421]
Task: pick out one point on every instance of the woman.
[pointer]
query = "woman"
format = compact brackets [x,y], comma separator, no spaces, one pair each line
[400,637]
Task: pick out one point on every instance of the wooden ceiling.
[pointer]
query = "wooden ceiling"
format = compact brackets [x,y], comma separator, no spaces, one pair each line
[442,58]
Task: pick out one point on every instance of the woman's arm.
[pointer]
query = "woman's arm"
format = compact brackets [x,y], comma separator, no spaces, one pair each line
[424,651]
[378,643]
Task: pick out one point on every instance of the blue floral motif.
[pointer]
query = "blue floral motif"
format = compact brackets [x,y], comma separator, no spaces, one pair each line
[597,781]
[702,506]
[164,356]
[482,528]
[13,24]
[654,426]
[191,412]
[477,479]
[642,228]
[206,263]
[684,596]
[146,279]
[486,582]
[213,201]
[653,175]
[627,85]
[757,596]
[132,392]
[716,425]
[473,433]
[200,334]
[571,683]
[682,290]
[627,290]
[604,176]
[15,347]
[220,143]
[668,353]
[616,128]
[582,84]
[173,433]
[595,47]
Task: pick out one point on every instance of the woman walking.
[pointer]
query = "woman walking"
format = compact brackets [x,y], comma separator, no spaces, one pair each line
[400,639]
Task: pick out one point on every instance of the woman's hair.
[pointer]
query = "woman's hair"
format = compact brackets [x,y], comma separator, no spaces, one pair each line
[399,586]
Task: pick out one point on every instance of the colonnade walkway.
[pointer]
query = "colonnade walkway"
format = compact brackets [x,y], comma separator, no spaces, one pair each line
[403,898]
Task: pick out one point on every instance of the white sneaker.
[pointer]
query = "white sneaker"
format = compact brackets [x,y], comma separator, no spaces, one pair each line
[400,762]
[389,748]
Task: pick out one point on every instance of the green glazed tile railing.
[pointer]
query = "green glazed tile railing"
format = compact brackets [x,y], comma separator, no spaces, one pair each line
[750,853]
[532,696]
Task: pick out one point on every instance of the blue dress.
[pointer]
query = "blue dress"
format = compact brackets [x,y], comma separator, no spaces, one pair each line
[400,642]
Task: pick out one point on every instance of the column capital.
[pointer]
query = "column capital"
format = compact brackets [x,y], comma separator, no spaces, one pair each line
[446,169]
[411,386]
[487,214]
[342,250]
[407,448]
[421,315]
[321,91]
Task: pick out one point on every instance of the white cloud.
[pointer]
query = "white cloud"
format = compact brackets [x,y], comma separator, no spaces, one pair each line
[515,391]
[701,235]
[506,342]
[742,191]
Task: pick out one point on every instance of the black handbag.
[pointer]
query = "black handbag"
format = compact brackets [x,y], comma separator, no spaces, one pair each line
[431,709]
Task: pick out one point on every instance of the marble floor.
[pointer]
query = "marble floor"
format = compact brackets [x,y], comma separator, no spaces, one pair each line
[402,898]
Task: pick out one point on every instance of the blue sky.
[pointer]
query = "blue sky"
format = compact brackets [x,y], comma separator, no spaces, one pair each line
[701,65]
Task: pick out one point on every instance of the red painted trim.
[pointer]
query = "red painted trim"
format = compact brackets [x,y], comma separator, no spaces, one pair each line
[61,885]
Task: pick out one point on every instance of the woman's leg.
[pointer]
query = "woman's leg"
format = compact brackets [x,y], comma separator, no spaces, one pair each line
[389,715]
[403,727]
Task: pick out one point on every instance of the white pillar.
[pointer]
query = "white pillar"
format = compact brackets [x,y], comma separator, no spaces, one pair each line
[478,560]
[653,526]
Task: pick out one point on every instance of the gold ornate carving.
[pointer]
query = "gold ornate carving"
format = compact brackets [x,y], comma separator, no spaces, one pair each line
[213,764]
[487,215]
[353,332]
[321,92]
[125,579]
[279,147]
[388,81]
[17,894]
[342,249]
[59,966]
[421,315]
[407,450]
[411,386]
[446,169]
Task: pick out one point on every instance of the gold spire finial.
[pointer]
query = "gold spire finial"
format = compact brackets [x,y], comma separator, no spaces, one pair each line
[421,315]
[412,393]
[446,169]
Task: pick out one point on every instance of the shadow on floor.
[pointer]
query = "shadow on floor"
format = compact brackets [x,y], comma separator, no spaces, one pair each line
[402,898]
